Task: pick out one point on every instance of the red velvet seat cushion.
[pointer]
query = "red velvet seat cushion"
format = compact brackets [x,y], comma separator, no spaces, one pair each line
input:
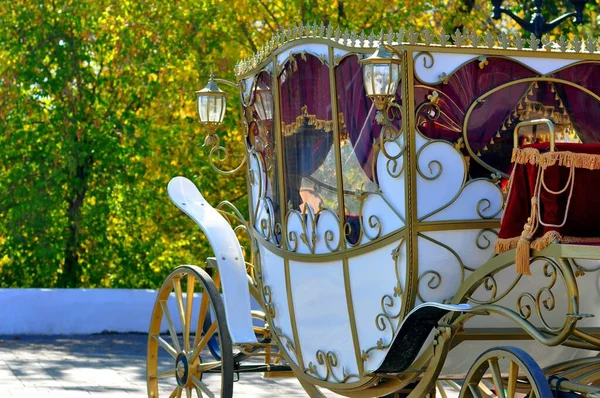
[583,211]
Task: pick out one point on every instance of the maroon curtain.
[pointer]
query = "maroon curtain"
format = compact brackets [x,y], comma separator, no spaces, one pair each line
[583,109]
[304,85]
[456,96]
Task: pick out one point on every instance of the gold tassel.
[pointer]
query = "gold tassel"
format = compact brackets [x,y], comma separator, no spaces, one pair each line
[522,257]
[522,260]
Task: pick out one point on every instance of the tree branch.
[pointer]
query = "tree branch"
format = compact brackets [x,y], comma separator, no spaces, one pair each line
[271,14]
[247,35]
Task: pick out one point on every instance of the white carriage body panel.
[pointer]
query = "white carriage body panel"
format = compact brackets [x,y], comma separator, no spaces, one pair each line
[378,218]
[247,86]
[257,190]
[589,288]
[273,274]
[442,194]
[328,233]
[227,250]
[322,318]
[479,199]
[441,255]
[431,70]
[474,246]
[298,226]
[264,213]
[439,273]
[432,67]
[321,51]
[339,53]
[440,176]
[392,186]
[257,184]
[374,276]
[589,294]
[545,65]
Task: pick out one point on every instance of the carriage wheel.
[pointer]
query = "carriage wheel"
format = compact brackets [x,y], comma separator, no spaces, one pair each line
[182,365]
[513,374]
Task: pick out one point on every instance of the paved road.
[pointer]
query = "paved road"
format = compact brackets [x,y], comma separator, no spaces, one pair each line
[100,365]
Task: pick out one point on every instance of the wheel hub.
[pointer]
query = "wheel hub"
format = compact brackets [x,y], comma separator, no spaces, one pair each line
[182,371]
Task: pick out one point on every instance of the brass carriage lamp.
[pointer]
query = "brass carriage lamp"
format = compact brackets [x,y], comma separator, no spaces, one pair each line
[211,110]
[211,105]
[264,102]
[381,75]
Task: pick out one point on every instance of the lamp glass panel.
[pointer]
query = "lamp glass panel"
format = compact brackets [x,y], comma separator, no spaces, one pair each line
[203,108]
[381,79]
[395,69]
[216,106]
[264,104]
[368,78]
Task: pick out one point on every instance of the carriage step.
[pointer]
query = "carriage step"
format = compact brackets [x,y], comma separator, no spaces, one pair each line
[412,333]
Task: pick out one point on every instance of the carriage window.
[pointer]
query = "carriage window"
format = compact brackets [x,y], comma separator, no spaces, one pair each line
[259,115]
[360,135]
[358,132]
[307,130]
[491,123]
[493,142]
[453,97]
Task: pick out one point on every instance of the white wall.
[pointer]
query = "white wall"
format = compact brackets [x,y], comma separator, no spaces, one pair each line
[74,311]
[78,311]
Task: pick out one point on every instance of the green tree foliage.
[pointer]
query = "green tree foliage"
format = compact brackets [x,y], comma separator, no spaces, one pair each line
[97,113]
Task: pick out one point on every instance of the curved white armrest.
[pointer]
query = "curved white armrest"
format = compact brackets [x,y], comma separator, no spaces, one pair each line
[230,260]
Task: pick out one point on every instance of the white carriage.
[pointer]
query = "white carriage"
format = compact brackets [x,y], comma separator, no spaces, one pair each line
[376,187]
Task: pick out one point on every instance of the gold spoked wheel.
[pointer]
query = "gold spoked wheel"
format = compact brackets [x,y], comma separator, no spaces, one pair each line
[505,372]
[182,364]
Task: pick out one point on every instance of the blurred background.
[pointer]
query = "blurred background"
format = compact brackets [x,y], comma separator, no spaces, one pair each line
[98,113]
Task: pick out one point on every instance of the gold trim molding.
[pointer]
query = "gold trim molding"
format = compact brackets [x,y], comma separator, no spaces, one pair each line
[410,36]
[308,120]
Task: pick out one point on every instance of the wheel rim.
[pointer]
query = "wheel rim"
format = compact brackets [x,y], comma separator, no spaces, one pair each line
[505,372]
[182,364]
[213,343]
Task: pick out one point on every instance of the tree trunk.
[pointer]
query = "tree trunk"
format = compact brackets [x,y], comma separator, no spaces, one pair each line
[341,13]
[71,275]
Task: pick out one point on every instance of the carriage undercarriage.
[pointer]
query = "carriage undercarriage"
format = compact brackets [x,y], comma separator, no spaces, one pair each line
[388,271]
[578,375]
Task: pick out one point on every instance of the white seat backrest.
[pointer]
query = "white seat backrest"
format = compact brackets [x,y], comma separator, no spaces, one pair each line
[227,250]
